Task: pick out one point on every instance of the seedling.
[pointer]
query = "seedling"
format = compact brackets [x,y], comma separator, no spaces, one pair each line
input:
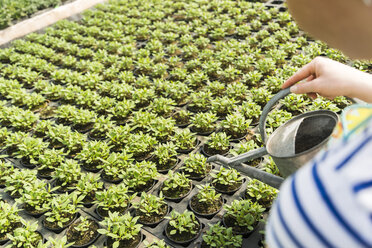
[121,230]
[226,179]
[82,231]
[165,156]
[62,209]
[182,226]
[101,127]
[36,197]
[261,193]
[199,101]
[235,125]
[182,117]
[151,209]
[114,199]
[163,129]
[140,145]
[87,187]
[92,154]
[30,149]
[218,143]
[185,139]
[237,91]
[204,122]
[26,236]
[67,174]
[195,165]
[206,201]
[41,128]
[177,185]
[6,169]
[156,244]
[223,106]
[242,215]
[10,219]
[118,137]
[141,120]
[220,236]
[16,182]
[140,176]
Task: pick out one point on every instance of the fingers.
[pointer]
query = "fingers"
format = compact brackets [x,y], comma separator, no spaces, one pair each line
[305,87]
[312,95]
[311,77]
[305,72]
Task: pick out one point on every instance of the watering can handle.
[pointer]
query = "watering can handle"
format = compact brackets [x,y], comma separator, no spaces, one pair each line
[262,122]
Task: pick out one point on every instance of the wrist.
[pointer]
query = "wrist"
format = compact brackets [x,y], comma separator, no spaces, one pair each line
[363,88]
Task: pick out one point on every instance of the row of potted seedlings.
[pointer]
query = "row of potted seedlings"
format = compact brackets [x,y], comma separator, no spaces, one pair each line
[36,199]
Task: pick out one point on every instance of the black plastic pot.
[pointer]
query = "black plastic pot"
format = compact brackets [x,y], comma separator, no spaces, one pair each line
[90,137]
[90,242]
[83,129]
[205,153]
[199,178]
[147,157]
[154,181]
[104,178]
[87,168]
[180,105]
[120,122]
[177,199]
[35,215]
[57,145]
[229,192]
[170,168]
[26,164]
[192,129]
[191,149]
[185,242]
[208,216]
[109,241]
[196,110]
[54,184]
[101,217]
[244,234]
[183,125]
[152,225]
[40,176]
[60,229]
[237,140]
[59,121]
[196,178]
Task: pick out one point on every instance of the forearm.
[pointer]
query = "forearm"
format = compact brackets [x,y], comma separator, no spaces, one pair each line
[363,88]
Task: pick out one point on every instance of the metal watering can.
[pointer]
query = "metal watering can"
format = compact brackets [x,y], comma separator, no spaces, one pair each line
[291,145]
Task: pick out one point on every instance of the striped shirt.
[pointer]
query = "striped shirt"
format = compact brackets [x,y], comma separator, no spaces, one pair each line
[328,202]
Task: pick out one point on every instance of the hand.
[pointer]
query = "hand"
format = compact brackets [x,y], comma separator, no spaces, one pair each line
[329,79]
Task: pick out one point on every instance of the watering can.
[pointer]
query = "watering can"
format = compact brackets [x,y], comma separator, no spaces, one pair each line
[290,145]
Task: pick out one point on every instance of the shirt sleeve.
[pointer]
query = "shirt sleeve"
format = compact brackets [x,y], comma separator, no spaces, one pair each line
[328,202]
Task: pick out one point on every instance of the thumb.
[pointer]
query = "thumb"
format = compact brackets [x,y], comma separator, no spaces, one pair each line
[303,88]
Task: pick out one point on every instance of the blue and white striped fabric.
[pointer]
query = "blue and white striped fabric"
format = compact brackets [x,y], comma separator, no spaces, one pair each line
[328,202]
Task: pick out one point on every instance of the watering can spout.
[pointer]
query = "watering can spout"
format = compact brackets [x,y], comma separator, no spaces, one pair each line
[236,162]
[240,158]
[218,159]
